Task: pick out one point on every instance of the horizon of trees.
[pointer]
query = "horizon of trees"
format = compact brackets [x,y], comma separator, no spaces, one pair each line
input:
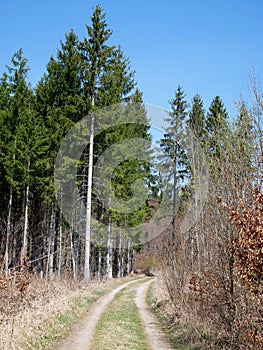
[84,77]
[212,274]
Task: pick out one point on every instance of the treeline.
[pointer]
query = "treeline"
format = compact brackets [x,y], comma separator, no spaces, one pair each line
[84,76]
[214,285]
[212,272]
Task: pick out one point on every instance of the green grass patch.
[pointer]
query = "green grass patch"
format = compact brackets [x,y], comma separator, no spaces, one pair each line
[61,324]
[120,327]
[99,292]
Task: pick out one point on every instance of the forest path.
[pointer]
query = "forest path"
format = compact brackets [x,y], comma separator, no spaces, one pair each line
[155,335]
[84,332]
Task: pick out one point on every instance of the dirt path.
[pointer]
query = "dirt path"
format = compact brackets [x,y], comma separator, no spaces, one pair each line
[82,335]
[155,335]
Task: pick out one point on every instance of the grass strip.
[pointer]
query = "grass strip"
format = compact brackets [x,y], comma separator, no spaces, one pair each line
[120,327]
[61,324]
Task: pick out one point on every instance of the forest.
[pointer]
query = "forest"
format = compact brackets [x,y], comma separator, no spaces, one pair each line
[210,275]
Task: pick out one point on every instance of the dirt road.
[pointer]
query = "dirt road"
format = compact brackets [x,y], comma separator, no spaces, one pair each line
[82,335]
[155,335]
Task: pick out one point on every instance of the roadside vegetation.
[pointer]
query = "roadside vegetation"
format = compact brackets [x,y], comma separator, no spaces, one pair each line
[36,313]
[210,277]
[209,282]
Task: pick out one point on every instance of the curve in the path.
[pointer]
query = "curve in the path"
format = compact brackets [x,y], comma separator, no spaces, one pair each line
[82,337]
[155,335]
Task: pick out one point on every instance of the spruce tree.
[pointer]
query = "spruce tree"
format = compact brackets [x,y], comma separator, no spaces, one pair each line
[15,169]
[95,57]
[107,79]
[60,104]
[174,153]
[23,146]
[244,151]
[60,88]
[197,117]
[216,126]
[85,76]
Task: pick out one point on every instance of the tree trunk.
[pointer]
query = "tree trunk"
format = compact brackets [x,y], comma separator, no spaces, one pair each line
[80,226]
[89,192]
[109,251]
[122,264]
[128,266]
[99,264]
[8,230]
[73,254]
[174,213]
[52,241]
[24,246]
[60,237]
[132,260]
[119,256]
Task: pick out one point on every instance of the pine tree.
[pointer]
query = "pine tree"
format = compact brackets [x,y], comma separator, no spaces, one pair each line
[216,126]
[197,117]
[107,79]
[23,146]
[174,153]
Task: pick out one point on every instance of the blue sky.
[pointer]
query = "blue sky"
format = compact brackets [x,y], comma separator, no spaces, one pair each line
[205,46]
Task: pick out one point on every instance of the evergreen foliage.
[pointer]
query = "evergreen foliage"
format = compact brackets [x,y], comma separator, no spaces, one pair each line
[82,77]
[197,117]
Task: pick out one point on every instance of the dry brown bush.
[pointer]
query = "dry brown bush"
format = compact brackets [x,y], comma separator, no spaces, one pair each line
[207,289]
[29,305]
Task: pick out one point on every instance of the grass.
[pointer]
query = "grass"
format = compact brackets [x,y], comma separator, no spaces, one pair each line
[176,334]
[46,311]
[120,327]
[61,325]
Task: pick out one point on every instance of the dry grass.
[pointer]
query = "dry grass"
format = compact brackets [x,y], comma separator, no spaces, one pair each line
[190,325]
[34,312]
[174,321]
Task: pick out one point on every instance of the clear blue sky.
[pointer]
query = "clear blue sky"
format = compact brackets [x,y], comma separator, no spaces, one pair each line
[206,46]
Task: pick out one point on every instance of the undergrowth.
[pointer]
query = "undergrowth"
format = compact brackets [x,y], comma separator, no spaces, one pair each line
[34,312]
[182,336]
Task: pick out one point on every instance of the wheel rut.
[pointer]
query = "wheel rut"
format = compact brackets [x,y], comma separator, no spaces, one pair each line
[155,335]
[83,333]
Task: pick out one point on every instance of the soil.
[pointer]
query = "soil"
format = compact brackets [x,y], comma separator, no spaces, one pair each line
[82,334]
[154,333]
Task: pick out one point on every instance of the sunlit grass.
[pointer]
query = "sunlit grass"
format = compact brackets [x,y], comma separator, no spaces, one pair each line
[120,327]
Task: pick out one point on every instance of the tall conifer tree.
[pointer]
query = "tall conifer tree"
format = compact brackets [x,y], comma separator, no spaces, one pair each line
[197,117]
[216,126]
[174,151]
